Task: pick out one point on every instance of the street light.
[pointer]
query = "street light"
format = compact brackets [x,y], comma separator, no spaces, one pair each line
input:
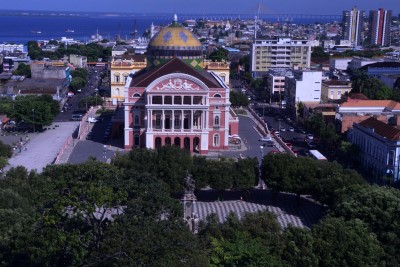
[260,182]
[33,116]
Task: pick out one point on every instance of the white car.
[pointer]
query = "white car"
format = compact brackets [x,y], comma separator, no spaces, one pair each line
[291,129]
[310,137]
[92,119]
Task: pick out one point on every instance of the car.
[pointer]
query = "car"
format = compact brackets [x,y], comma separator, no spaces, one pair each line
[283,129]
[301,130]
[291,129]
[310,137]
[92,119]
[265,139]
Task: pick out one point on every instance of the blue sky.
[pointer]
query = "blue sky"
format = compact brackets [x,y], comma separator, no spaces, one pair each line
[323,7]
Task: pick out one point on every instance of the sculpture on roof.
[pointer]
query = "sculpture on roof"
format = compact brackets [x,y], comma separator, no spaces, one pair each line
[190,185]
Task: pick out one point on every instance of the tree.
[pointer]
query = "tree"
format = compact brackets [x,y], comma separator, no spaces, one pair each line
[77,83]
[318,51]
[298,247]
[373,88]
[346,243]
[246,173]
[242,250]
[378,208]
[238,99]
[219,55]
[80,72]
[23,70]
[91,101]
[221,174]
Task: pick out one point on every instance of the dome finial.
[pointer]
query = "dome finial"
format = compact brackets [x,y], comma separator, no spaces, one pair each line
[175,18]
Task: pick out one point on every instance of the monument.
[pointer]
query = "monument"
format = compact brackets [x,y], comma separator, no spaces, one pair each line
[189,204]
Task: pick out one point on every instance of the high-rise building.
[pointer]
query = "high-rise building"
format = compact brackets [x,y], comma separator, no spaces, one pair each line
[379,22]
[282,52]
[353,26]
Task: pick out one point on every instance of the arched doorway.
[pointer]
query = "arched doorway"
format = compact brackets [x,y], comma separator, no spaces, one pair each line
[168,141]
[177,141]
[196,145]
[158,143]
[186,143]
[136,141]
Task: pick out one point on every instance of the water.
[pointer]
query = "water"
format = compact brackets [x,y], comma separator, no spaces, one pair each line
[19,27]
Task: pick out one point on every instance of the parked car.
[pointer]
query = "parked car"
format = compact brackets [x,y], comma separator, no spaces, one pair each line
[92,119]
[310,137]
[265,139]
[291,129]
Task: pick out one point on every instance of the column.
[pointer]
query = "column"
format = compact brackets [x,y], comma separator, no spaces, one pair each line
[173,119]
[207,119]
[150,119]
[162,120]
[182,118]
[191,118]
[203,118]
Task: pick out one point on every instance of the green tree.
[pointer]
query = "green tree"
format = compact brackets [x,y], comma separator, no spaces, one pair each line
[246,173]
[242,250]
[318,51]
[221,174]
[23,70]
[77,83]
[219,55]
[298,248]
[91,101]
[238,99]
[378,208]
[346,243]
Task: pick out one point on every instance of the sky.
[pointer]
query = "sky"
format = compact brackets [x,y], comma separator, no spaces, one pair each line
[315,7]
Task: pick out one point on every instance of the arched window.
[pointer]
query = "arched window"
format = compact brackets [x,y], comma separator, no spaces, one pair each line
[216,121]
[116,77]
[136,95]
[217,95]
[117,91]
[216,140]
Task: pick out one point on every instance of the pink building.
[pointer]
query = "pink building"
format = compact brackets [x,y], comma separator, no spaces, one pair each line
[176,104]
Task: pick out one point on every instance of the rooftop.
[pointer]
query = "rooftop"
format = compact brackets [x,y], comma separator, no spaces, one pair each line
[382,129]
[144,77]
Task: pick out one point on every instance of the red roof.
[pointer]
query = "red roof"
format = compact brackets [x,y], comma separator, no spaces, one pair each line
[381,128]
[144,77]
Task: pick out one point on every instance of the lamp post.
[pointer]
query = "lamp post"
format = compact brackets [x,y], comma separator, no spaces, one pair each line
[260,182]
[33,119]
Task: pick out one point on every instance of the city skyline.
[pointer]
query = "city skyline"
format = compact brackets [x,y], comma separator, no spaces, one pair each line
[315,7]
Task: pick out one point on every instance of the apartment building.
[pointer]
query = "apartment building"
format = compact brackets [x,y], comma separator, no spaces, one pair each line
[282,52]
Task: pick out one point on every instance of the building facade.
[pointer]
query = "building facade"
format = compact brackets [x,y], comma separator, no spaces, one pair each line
[380,22]
[354,111]
[353,25]
[279,53]
[379,146]
[334,89]
[121,67]
[173,102]
[302,86]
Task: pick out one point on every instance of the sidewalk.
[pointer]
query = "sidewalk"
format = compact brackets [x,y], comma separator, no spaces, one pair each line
[43,147]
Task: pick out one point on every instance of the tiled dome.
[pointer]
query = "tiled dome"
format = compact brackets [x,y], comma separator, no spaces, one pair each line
[175,41]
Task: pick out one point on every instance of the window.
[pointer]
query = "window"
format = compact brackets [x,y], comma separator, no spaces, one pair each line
[125,79]
[339,94]
[216,140]
[216,121]
[217,95]
[158,120]
[136,95]
[136,121]
[136,141]
[116,78]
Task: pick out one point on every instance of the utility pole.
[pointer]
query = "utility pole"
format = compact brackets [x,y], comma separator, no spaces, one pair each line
[33,119]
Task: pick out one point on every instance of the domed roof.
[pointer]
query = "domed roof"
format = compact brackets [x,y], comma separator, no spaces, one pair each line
[175,37]
[174,41]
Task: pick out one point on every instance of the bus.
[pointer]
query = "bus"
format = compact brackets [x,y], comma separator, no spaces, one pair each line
[317,155]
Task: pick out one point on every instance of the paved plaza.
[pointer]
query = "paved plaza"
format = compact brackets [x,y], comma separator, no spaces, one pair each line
[42,148]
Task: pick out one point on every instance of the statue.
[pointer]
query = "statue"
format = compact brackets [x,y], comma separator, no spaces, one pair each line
[189,183]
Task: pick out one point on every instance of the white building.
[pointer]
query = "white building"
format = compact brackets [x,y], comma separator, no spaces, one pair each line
[379,146]
[359,62]
[283,52]
[339,63]
[11,47]
[302,86]
[276,81]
